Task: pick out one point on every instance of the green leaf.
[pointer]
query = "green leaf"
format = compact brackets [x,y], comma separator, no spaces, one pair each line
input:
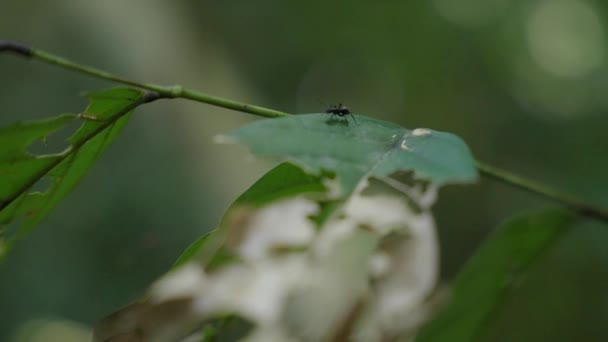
[17,165]
[353,151]
[283,181]
[488,278]
[106,115]
[226,329]
[15,138]
[192,250]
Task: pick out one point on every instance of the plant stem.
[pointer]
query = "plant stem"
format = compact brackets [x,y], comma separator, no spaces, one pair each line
[163,91]
[575,204]
[569,201]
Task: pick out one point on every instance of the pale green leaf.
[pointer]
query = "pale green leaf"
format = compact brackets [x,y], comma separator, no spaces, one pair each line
[353,151]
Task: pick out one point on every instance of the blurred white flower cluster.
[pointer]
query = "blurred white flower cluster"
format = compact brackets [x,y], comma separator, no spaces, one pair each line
[367,272]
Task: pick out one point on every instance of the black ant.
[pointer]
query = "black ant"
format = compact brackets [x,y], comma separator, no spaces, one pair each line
[340,110]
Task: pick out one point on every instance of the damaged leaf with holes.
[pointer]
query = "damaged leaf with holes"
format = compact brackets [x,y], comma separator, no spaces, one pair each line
[366,272]
[22,208]
[354,151]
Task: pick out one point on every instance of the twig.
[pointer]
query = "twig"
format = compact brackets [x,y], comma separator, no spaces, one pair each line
[577,205]
[175,91]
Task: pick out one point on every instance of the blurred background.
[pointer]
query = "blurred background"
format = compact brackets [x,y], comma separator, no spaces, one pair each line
[523,82]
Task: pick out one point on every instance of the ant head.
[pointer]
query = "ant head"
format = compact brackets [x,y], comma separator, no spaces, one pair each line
[329,108]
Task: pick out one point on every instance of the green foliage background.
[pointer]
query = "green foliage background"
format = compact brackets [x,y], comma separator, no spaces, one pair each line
[473,71]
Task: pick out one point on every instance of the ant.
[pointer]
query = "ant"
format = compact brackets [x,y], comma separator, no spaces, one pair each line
[340,110]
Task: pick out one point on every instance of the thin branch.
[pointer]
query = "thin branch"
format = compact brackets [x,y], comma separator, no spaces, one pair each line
[577,205]
[14,47]
[163,91]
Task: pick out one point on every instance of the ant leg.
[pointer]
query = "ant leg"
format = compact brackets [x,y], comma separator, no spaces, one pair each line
[351,114]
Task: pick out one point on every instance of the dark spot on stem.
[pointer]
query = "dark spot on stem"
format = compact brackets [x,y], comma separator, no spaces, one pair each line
[151,96]
[18,48]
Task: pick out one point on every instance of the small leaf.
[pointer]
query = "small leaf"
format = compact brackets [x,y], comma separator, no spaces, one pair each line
[21,170]
[484,284]
[353,151]
[285,180]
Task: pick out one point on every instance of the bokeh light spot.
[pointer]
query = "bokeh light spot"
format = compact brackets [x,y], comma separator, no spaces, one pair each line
[470,13]
[565,37]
